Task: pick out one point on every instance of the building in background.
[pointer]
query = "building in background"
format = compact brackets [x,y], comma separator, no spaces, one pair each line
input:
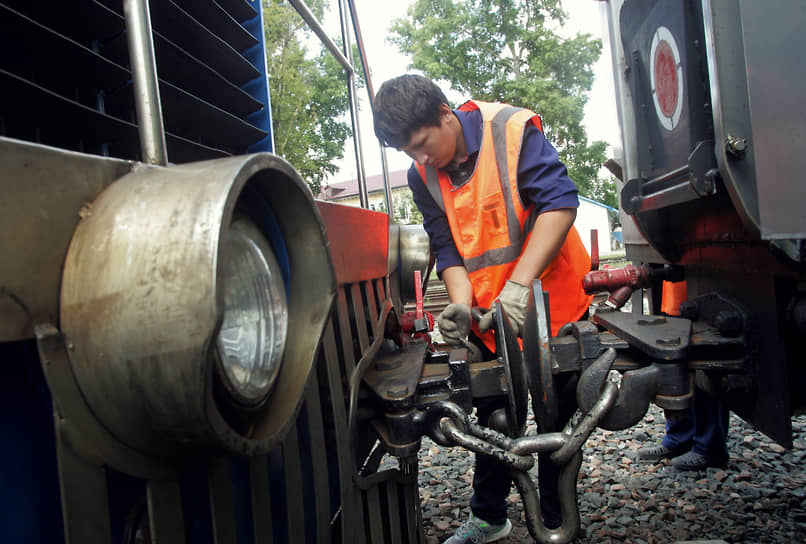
[590,215]
[595,215]
[346,192]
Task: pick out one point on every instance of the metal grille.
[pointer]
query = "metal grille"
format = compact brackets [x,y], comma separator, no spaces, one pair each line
[66,83]
[305,490]
[388,510]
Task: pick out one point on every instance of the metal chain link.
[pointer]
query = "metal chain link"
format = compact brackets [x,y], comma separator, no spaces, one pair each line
[451,426]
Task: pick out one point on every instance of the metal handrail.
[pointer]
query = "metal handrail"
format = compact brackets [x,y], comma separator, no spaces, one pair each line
[144,78]
[351,91]
[147,98]
[371,91]
[345,59]
[308,16]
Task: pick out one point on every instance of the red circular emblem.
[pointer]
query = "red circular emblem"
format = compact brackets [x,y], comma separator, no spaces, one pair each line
[666,78]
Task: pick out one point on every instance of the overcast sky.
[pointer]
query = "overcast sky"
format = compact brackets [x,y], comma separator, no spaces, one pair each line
[385,62]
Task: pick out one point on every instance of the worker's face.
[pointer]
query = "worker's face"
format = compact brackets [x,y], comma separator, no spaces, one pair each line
[434,146]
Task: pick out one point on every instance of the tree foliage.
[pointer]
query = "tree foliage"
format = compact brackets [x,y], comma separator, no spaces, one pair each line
[585,169]
[406,211]
[506,51]
[308,95]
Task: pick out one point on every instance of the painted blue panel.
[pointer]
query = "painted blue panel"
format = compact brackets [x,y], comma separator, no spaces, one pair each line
[196,503]
[30,506]
[242,499]
[259,87]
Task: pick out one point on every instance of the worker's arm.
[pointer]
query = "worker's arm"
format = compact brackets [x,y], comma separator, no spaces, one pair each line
[548,236]
[457,282]
[454,321]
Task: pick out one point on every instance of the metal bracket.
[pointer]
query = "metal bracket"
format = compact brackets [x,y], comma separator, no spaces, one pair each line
[394,376]
[660,337]
[76,424]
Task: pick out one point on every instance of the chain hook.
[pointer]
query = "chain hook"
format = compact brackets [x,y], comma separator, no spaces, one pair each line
[451,411]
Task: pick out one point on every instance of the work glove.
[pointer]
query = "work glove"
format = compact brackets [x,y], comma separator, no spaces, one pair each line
[454,324]
[513,297]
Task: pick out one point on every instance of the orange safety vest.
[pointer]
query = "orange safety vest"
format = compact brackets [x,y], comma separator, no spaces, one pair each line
[490,226]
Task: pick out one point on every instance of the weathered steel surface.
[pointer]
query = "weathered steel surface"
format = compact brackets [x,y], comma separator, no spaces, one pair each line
[44,190]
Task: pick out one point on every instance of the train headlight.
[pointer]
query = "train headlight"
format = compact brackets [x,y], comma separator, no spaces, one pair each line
[252,336]
[178,290]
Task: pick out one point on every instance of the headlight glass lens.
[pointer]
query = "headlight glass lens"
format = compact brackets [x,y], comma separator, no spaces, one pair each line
[253,333]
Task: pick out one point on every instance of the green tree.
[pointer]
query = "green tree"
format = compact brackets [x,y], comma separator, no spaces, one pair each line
[505,51]
[406,212]
[308,95]
[585,170]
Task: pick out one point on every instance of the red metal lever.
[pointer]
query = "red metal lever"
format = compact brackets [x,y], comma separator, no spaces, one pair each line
[418,294]
[418,321]
[594,249]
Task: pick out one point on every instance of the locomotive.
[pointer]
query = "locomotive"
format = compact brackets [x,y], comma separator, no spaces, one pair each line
[707,101]
[179,319]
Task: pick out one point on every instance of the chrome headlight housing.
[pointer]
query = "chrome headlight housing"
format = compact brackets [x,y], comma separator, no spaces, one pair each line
[179,288]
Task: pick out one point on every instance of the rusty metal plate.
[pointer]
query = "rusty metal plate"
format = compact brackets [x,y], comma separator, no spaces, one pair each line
[358,240]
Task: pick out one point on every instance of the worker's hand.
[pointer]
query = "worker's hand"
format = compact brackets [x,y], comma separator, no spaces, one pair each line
[454,323]
[513,297]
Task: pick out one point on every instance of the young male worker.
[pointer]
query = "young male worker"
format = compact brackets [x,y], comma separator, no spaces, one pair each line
[499,208]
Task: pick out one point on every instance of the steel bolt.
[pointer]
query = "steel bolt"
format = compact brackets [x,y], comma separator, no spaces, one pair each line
[736,146]
[652,320]
[397,392]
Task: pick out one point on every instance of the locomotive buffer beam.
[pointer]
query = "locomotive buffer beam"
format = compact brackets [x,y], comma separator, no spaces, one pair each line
[405,383]
[657,356]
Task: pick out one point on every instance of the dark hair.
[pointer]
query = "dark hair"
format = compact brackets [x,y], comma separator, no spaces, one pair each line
[405,104]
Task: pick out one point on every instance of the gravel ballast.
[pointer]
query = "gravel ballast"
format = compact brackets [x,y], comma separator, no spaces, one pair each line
[759,497]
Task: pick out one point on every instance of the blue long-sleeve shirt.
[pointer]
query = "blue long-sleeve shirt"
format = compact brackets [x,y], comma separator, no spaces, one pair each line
[542,181]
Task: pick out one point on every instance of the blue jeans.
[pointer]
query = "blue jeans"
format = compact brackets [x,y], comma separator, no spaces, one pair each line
[704,431]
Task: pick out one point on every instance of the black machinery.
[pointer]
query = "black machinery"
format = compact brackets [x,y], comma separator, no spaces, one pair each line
[624,362]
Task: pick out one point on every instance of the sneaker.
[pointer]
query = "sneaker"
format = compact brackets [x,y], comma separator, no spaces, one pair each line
[478,531]
[657,452]
[696,461]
